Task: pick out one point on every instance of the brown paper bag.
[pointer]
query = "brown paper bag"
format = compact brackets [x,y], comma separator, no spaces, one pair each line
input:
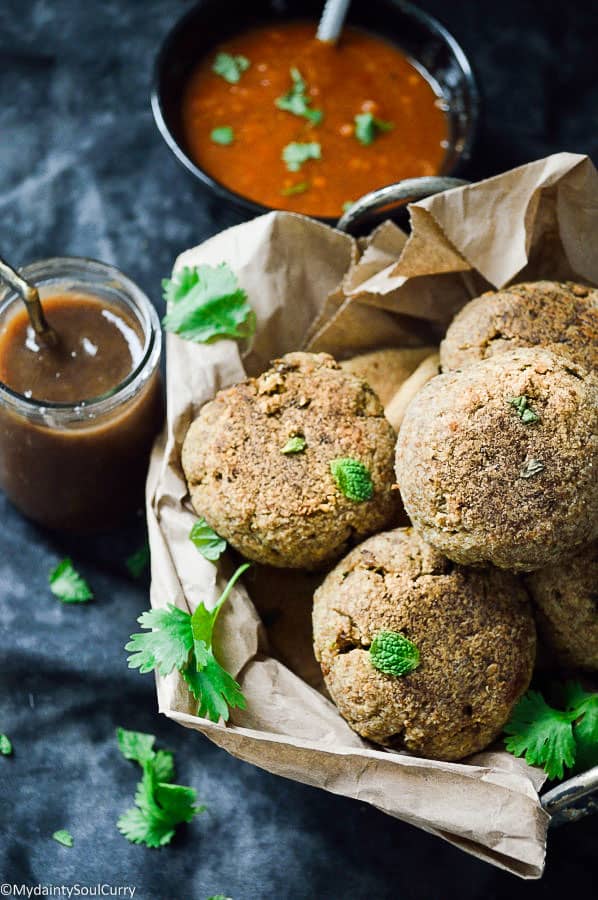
[312,286]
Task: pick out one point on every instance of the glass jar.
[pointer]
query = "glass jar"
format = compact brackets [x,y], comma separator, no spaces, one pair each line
[82,466]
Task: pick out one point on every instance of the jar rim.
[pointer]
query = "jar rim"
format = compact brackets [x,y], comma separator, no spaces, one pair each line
[66,267]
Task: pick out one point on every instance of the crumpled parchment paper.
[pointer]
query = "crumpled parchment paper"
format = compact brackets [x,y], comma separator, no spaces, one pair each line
[314,287]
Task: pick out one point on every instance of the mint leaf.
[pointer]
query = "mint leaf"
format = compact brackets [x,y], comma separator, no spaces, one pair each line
[352,478]
[295,154]
[230,67]
[165,648]
[5,745]
[223,135]
[209,544]
[138,562]
[524,411]
[64,837]
[206,303]
[297,102]
[68,585]
[368,127]
[295,444]
[393,653]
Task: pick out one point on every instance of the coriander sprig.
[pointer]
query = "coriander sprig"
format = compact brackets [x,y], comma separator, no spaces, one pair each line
[555,739]
[210,545]
[206,303]
[297,102]
[159,805]
[368,127]
[296,153]
[230,67]
[177,640]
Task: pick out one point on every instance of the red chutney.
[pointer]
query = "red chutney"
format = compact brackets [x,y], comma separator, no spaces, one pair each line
[363,74]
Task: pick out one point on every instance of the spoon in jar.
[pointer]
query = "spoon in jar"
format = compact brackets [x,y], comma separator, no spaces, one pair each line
[30,296]
[332,20]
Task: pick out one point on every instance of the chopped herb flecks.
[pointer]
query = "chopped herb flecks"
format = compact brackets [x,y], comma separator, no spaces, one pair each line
[295,444]
[230,67]
[293,189]
[297,102]
[64,837]
[295,154]
[223,135]
[368,127]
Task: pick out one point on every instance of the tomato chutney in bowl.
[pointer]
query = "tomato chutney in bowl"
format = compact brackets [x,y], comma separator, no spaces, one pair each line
[271,118]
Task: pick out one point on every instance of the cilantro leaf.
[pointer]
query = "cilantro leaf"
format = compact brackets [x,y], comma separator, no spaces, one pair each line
[542,734]
[209,544]
[165,648]
[159,805]
[214,689]
[295,444]
[230,67]
[393,653]
[140,828]
[297,102]
[367,127]
[184,642]
[295,154]
[206,303]
[293,189]
[584,708]
[219,897]
[64,837]
[137,562]
[68,585]
[524,411]
[135,745]
[224,135]
[5,745]
[203,620]
[352,478]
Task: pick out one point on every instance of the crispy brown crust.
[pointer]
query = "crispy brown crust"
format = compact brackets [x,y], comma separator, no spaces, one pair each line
[473,628]
[462,451]
[566,601]
[386,370]
[559,316]
[286,510]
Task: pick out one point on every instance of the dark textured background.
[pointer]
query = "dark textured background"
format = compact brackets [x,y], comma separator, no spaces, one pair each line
[83,171]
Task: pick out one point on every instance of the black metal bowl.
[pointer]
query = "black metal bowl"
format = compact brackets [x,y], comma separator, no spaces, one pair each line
[420,36]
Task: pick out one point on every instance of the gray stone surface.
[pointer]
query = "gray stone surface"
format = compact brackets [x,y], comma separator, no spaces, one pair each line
[83,171]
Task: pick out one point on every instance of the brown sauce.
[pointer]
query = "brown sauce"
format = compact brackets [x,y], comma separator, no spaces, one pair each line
[99,346]
[88,473]
[363,74]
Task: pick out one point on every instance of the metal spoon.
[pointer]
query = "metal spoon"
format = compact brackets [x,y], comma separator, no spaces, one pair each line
[332,20]
[30,295]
